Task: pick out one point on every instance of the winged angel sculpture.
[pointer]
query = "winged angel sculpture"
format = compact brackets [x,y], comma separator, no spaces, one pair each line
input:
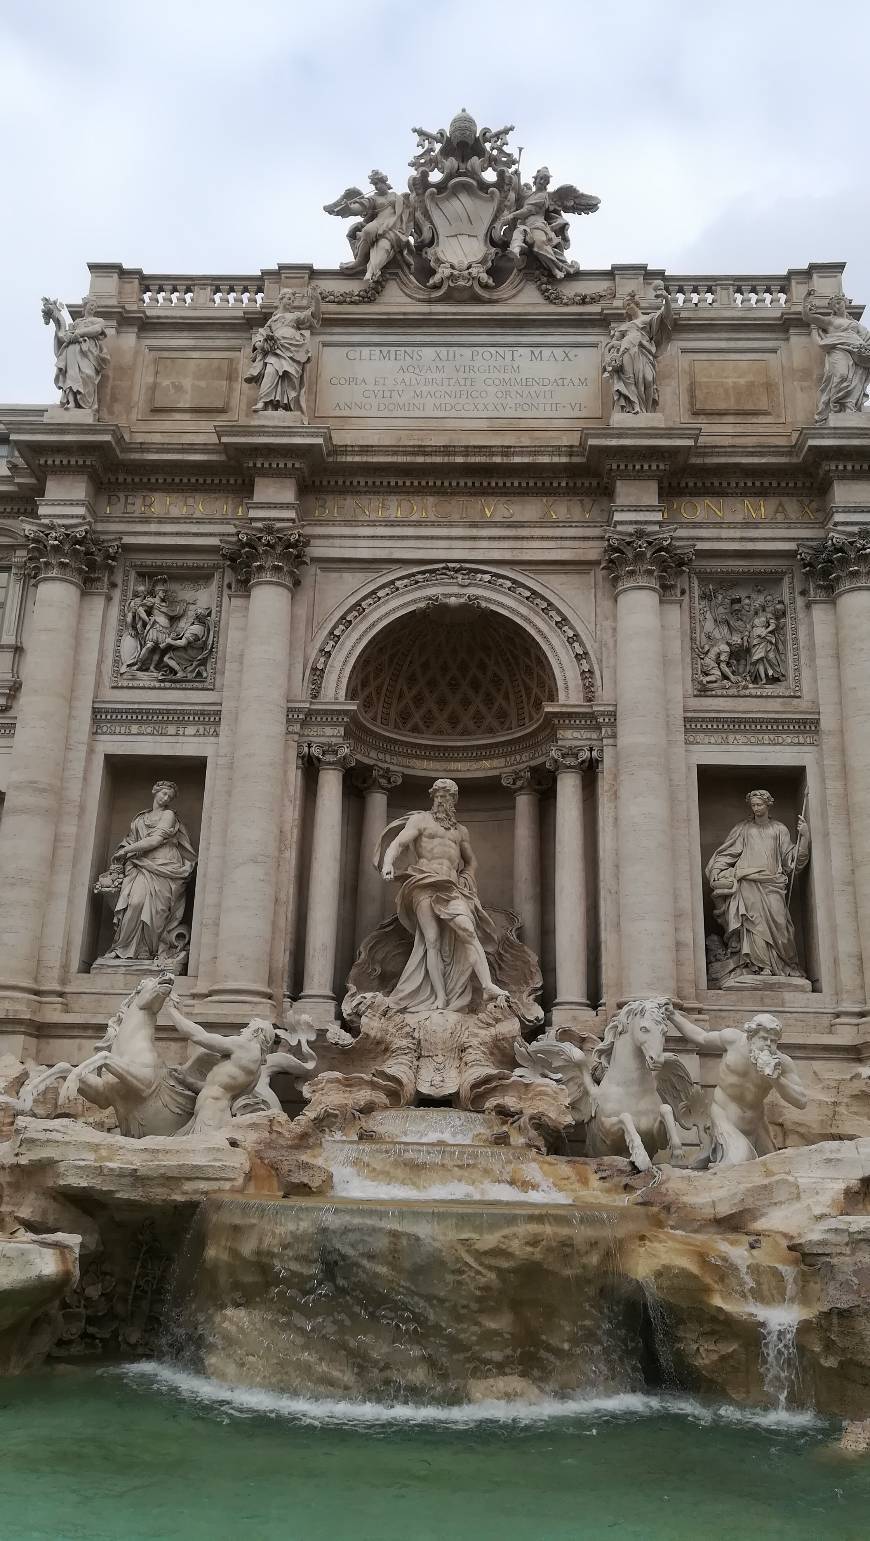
[631,1095]
[467,219]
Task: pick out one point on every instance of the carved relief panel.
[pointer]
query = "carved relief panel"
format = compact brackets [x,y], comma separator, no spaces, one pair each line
[168,625]
[744,632]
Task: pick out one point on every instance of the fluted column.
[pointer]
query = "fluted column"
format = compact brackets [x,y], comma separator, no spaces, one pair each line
[569,763]
[59,560]
[321,919]
[641,564]
[266,560]
[527,854]
[377,783]
[839,568]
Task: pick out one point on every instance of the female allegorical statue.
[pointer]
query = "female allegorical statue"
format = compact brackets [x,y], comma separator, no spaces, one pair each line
[150,871]
[280,351]
[80,356]
[630,353]
[750,879]
[846,347]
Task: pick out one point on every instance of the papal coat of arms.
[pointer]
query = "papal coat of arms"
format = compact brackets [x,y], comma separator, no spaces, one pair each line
[467,221]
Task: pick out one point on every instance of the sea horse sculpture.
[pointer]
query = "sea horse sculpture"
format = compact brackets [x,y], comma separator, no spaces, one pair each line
[126,1071]
[630,1094]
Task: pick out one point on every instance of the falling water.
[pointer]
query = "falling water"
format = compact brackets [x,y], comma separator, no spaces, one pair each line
[780,1367]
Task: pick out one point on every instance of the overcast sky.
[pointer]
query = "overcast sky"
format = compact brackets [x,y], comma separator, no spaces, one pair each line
[204,137]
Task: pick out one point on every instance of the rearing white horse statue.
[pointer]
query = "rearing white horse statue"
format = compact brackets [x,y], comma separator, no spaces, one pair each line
[631,1095]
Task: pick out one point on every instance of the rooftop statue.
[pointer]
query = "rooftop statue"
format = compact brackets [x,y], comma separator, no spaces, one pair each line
[629,356]
[846,347]
[467,219]
[280,351]
[79,352]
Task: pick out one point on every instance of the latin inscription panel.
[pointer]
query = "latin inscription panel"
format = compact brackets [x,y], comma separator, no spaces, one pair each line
[537,380]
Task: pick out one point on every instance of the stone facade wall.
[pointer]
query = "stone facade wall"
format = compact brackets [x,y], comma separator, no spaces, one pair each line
[460,461]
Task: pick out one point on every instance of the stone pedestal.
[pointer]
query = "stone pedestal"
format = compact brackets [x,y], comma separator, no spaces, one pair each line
[318,994]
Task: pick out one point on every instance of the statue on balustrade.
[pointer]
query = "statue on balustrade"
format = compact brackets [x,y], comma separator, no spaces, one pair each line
[629,356]
[846,347]
[150,872]
[79,352]
[280,352]
[751,877]
[752,1067]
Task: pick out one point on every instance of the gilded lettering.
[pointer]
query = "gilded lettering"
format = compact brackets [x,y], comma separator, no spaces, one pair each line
[148,503]
[750,510]
[714,508]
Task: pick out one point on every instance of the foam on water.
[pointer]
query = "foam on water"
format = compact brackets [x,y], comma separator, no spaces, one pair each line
[247,1401]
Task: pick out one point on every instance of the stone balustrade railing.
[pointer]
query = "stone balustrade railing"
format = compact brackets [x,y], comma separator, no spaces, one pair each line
[719,293]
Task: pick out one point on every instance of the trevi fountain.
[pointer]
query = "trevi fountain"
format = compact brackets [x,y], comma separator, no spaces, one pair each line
[435,891]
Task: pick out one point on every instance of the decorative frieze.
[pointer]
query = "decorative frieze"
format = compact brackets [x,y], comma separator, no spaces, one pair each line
[140,721]
[744,632]
[266,553]
[742,729]
[639,559]
[168,625]
[70,552]
[837,563]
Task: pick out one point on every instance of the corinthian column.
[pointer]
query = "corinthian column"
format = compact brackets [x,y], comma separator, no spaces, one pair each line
[838,568]
[59,559]
[370,887]
[641,566]
[527,855]
[266,560]
[321,920]
[569,764]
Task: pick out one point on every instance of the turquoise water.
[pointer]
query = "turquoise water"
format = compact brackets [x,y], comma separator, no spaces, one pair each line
[152,1455]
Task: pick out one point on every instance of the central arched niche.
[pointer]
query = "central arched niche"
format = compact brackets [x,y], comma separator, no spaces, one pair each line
[452,670]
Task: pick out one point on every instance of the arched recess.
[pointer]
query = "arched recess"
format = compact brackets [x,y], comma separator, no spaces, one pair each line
[342,638]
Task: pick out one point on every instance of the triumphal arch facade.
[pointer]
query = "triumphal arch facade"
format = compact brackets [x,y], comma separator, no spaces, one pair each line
[292,545]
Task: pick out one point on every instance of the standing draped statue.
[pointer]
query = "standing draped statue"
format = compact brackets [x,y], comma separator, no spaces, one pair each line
[79,352]
[438,904]
[150,871]
[846,347]
[750,877]
[629,356]
[280,352]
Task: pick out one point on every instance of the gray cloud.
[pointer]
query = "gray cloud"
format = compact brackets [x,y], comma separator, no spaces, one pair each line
[186,137]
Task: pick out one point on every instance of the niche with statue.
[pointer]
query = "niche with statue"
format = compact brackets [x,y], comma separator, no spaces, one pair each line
[756,856]
[143,876]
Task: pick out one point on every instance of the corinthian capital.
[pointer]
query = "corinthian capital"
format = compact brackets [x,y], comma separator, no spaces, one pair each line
[71,552]
[639,559]
[266,553]
[836,563]
[572,757]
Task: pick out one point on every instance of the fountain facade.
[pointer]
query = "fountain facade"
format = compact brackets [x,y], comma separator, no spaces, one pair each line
[433,866]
